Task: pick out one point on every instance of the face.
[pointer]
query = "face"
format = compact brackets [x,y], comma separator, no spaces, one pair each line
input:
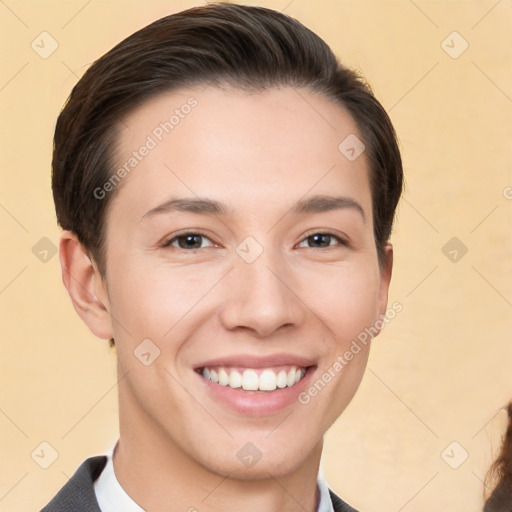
[241,265]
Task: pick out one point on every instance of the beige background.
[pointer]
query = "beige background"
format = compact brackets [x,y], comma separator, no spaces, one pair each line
[441,370]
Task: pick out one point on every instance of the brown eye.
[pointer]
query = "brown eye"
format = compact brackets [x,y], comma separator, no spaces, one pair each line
[187,241]
[320,240]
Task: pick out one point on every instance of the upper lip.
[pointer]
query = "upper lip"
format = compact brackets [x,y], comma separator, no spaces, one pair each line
[252,361]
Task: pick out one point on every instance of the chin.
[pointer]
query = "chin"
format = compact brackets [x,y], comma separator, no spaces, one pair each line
[250,463]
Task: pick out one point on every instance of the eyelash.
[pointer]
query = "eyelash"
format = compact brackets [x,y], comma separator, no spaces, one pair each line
[168,243]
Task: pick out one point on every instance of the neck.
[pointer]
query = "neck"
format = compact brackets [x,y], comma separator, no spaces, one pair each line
[155,472]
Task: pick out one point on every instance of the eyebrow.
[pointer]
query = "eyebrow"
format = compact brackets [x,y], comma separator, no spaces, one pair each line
[322,203]
[205,206]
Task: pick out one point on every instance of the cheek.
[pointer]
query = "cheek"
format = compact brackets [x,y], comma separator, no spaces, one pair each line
[149,300]
[345,299]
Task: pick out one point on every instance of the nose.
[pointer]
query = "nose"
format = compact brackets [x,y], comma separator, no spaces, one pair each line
[261,297]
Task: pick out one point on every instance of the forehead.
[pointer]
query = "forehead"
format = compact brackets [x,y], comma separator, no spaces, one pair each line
[264,148]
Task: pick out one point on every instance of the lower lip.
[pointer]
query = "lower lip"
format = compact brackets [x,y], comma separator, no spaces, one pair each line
[257,403]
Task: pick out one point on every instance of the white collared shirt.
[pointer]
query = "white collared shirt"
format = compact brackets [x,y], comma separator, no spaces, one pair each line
[113,498]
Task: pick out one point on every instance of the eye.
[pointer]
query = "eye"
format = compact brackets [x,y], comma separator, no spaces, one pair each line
[188,241]
[320,240]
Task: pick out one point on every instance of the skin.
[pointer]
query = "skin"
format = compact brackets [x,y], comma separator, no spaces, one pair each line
[259,154]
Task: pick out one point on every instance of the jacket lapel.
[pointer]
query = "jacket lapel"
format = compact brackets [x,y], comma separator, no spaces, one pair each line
[339,505]
[78,493]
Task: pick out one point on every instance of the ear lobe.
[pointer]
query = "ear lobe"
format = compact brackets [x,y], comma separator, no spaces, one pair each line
[85,286]
[385,278]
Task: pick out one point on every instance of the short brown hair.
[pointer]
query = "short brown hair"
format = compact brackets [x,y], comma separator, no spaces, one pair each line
[250,48]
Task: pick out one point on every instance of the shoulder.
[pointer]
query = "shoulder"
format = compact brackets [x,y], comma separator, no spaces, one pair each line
[339,505]
[78,493]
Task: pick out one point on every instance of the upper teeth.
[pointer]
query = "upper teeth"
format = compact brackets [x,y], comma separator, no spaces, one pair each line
[252,380]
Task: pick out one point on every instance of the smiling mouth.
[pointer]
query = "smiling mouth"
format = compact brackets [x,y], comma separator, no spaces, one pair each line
[254,379]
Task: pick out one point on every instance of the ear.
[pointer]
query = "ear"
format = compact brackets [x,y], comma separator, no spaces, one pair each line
[386,269]
[85,286]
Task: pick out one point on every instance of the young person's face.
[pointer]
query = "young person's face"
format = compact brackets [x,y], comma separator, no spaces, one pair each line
[215,301]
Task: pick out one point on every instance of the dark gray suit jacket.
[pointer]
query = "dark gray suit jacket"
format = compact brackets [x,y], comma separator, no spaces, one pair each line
[78,494]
